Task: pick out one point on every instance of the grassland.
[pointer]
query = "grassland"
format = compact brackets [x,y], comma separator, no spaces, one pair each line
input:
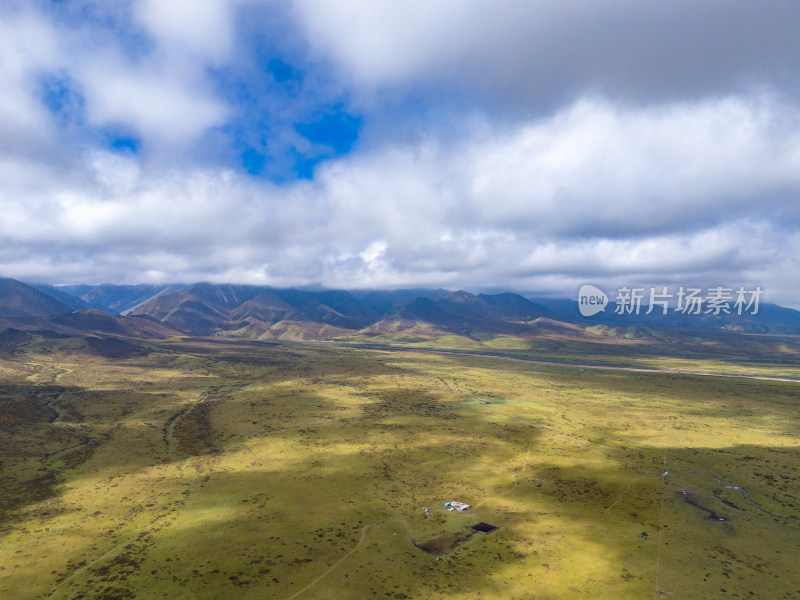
[707,351]
[214,469]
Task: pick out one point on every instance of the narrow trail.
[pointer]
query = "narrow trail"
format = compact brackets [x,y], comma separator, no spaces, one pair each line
[124,540]
[625,490]
[361,541]
[402,522]
[656,592]
[513,483]
[548,363]
[527,456]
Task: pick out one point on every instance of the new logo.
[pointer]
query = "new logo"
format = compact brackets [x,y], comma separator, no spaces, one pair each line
[591,300]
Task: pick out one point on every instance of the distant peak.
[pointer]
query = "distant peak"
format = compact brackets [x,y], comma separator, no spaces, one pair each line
[461,296]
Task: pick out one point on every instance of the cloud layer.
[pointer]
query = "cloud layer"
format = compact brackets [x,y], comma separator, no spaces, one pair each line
[528,147]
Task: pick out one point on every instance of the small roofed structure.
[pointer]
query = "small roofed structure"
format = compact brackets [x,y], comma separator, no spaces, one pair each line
[455,505]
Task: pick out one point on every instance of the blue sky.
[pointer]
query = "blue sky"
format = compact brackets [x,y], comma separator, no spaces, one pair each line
[528,146]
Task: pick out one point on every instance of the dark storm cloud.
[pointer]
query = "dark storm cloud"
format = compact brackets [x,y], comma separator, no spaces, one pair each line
[544,53]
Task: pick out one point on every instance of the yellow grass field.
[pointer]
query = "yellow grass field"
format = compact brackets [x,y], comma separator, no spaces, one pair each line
[219,469]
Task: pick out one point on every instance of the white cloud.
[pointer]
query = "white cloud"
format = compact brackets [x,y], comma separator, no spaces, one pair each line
[202,29]
[599,168]
[164,108]
[27,47]
[372,254]
[593,170]
[597,192]
[545,52]
[693,181]
[383,41]
[116,173]
[162,94]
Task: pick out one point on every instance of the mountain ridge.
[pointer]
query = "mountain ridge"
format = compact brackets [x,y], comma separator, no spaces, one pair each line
[20,300]
[263,312]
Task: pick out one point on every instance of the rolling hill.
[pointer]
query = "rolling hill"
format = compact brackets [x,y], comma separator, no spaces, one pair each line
[19,300]
[375,316]
[115,299]
[89,322]
[258,312]
[461,314]
[262,313]
[67,299]
[771,318]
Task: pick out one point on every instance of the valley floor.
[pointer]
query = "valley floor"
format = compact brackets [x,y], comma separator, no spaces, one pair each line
[214,469]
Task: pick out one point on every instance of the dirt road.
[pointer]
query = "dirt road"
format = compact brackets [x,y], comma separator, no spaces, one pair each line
[588,366]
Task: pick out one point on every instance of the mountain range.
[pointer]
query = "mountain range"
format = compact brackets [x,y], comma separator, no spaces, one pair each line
[262,313]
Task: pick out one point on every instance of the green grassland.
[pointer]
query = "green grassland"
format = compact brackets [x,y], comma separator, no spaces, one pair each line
[642,347]
[218,469]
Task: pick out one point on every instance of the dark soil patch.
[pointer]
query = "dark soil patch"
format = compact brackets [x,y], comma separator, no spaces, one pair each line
[73,459]
[194,432]
[442,545]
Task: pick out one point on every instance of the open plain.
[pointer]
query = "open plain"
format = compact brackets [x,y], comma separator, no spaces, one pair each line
[200,468]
